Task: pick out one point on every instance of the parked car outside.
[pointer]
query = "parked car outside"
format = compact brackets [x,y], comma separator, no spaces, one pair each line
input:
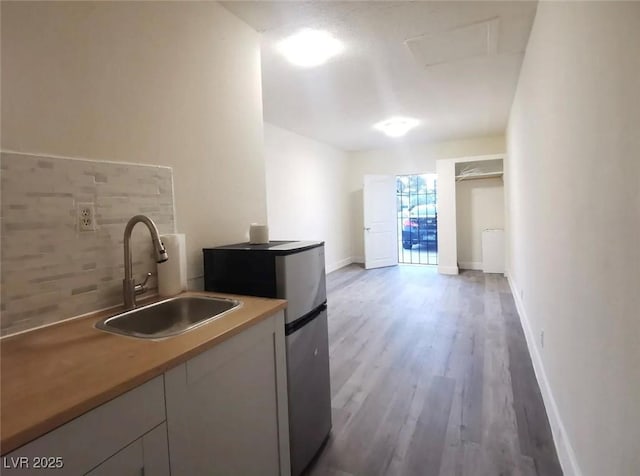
[421,226]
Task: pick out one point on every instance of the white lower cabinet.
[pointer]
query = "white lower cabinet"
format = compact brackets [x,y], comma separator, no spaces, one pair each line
[100,435]
[227,407]
[224,412]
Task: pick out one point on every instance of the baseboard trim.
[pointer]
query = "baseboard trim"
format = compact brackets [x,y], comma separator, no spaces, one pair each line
[339,264]
[448,269]
[565,452]
[357,259]
[470,265]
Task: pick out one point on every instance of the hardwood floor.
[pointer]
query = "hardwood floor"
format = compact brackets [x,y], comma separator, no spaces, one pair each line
[431,376]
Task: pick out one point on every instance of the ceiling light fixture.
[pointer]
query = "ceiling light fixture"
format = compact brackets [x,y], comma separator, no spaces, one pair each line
[396,126]
[309,48]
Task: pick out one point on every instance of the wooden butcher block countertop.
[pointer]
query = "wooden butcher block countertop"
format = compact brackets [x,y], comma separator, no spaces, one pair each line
[54,374]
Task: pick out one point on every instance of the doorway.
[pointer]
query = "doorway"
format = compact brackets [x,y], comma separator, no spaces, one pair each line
[417,215]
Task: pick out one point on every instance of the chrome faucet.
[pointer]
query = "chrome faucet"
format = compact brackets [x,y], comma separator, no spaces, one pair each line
[129,287]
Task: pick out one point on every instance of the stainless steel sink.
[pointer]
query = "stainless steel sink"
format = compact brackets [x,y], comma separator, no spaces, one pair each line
[169,317]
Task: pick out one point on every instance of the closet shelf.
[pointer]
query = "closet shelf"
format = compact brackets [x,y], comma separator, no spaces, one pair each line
[476,176]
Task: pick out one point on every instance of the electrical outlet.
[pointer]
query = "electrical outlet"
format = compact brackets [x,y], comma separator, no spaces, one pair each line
[542,339]
[86,217]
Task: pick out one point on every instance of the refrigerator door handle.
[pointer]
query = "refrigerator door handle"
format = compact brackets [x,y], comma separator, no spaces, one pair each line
[303,320]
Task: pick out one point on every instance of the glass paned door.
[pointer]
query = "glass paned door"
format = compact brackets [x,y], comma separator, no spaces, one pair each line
[417,207]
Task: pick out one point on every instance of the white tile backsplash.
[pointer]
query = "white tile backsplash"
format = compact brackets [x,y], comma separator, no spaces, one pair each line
[52,271]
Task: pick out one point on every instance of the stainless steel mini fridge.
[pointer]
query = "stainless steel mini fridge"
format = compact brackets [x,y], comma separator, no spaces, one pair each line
[295,271]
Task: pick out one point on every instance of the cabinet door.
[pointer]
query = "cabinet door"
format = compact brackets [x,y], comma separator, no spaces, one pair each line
[226,408]
[147,456]
[127,462]
[90,439]
[155,450]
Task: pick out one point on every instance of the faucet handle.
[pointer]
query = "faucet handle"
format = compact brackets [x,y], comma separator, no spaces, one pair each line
[141,287]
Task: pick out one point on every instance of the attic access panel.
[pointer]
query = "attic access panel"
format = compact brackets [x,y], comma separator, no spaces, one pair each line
[470,41]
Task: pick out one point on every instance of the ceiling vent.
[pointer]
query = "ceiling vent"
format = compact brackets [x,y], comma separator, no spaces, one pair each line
[470,41]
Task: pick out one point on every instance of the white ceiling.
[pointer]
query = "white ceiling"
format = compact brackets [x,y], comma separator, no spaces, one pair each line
[457,74]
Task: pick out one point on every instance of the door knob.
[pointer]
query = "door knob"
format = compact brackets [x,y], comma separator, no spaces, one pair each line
[367,228]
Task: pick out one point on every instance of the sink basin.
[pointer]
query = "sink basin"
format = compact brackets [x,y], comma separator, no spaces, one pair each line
[169,317]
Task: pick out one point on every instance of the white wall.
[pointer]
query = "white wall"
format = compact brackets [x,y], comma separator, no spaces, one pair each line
[479,206]
[573,197]
[420,158]
[168,83]
[307,193]
[447,217]
[408,159]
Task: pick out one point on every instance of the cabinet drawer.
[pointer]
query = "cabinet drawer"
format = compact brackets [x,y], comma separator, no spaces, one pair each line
[95,436]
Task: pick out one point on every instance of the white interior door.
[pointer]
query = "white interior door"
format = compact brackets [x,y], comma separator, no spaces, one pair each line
[380,232]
